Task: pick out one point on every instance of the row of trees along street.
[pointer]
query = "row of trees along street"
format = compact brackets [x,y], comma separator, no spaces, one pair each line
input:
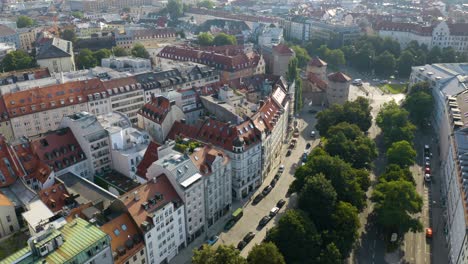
[331,188]
[395,196]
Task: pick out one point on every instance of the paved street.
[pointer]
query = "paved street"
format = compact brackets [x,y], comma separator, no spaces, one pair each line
[253,213]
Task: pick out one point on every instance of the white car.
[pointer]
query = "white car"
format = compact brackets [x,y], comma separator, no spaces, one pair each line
[357,82]
[427,177]
[312,134]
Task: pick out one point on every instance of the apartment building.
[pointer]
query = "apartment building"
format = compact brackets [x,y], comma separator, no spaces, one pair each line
[8,220]
[57,55]
[5,123]
[27,38]
[277,58]
[150,38]
[127,64]
[215,167]
[449,83]
[10,168]
[187,182]
[158,116]
[128,144]
[158,211]
[126,96]
[338,88]
[9,35]
[102,5]
[93,139]
[442,34]
[76,242]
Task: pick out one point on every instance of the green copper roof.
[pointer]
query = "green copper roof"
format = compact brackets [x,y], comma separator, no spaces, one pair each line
[79,237]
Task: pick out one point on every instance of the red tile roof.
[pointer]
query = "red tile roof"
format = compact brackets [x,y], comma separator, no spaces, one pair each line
[3,111]
[156,110]
[265,117]
[10,167]
[405,27]
[35,169]
[339,77]
[204,157]
[458,29]
[183,130]
[224,14]
[317,62]
[151,155]
[154,33]
[126,240]
[283,49]
[56,197]
[148,191]
[315,80]
[58,149]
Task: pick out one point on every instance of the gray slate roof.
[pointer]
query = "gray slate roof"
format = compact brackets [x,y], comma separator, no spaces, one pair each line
[55,48]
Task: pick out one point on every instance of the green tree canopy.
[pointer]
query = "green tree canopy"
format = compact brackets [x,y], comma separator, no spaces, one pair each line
[292,73]
[223,39]
[302,56]
[435,55]
[175,9]
[345,226]
[318,192]
[86,59]
[222,254]
[395,124]
[101,54]
[265,253]
[119,52]
[17,60]
[356,112]
[330,255]
[401,153]
[420,105]
[68,34]
[335,58]
[384,64]
[404,63]
[395,203]
[208,4]
[24,21]
[140,51]
[394,172]
[77,14]
[205,39]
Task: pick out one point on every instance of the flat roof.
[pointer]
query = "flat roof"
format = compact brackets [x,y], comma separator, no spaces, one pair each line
[191,180]
[38,211]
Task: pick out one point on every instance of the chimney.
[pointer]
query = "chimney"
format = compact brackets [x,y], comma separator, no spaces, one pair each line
[136,196]
[261,102]
[155,180]
[183,121]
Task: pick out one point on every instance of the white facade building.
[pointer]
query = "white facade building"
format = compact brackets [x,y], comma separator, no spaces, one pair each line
[127,64]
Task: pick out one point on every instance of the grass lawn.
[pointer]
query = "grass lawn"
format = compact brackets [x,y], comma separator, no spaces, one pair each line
[393,88]
[13,244]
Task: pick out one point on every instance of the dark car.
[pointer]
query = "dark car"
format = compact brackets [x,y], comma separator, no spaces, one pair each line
[249,237]
[273,182]
[280,203]
[312,111]
[264,221]
[267,190]
[304,157]
[288,153]
[229,224]
[257,199]
[277,176]
[308,146]
[241,245]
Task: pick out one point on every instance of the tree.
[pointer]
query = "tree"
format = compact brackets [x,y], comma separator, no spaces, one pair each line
[363,57]
[296,237]
[86,59]
[126,10]
[395,124]
[101,54]
[175,9]
[68,34]
[298,94]
[420,106]
[395,203]
[448,55]
[330,255]
[302,56]
[265,253]
[223,254]
[17,60]
[119,52]
[292,73]
[384,64]
[435,55]
[205,39]
[140,51]
[77,14]
[394,172]
[345,223]
[404,63]
[24,21]
[223,39]
[335,58]
[401,153]
[391,45]
[208,4]
[318,192]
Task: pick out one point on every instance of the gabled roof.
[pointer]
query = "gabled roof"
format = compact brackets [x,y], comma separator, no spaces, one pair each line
[204,157]
[33,166]
[6,31]
[317,62]
[161,188]
[283,49]
[156,110]
[151,155]
[10,168]
[339,77]
[55,197]
[55,48]
[315,80]
[5,201]
[267,115]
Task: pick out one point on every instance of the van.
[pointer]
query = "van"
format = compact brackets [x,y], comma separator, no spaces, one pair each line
[237,214]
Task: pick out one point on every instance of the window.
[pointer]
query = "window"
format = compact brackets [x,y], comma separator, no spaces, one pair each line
[116,232]
[124,227]
[8,218]
[142,252]
[135,258]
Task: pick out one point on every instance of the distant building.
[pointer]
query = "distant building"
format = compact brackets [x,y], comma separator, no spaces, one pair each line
[158,116]
[150,38]
[37,216]
[9,35]
[57,55]
[277,58]
[27,37]
[75,242]
[102,5]
[315,82]
[58,199]
[127,64]
[270,36]
[6,48]
[338,88]
[8,220]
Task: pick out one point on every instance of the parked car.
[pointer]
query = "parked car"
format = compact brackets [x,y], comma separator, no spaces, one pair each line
[267,190]
[229,224]
[212,240]
[288,153]
[429,232]
[427,177]
[304,157]
[281,168]
[257,199]
[308,146]
[312,111]
[249,237]
[383,82]
[312,134]
[280,203]
[357,82]
[277,176]
[264,221]
[274,211]
[273,182]
[241,245]
[427,170]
